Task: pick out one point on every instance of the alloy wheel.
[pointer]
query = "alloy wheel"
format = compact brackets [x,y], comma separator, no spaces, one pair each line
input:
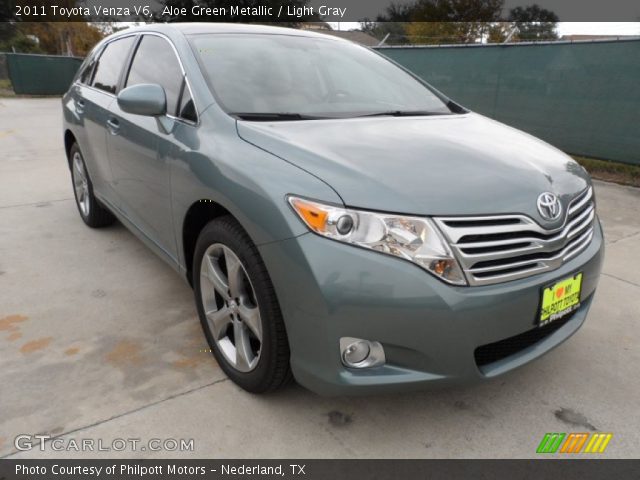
[81,184]
[231,307]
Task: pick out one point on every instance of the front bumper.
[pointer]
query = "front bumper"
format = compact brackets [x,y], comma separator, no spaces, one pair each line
[429,330]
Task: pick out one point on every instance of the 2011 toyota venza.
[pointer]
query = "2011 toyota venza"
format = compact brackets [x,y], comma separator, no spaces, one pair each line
[340,221]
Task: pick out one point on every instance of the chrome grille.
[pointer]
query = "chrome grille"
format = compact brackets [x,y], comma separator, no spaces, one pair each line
[493,249]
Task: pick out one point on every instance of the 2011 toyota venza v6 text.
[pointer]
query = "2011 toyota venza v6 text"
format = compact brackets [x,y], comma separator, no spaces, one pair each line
[340,220]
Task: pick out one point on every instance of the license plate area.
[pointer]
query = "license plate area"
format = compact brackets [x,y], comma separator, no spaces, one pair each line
[560,299]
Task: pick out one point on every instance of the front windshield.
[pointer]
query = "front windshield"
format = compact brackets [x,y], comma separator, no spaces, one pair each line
[309,77]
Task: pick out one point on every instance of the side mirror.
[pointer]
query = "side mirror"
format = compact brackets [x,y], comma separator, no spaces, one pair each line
[143,99]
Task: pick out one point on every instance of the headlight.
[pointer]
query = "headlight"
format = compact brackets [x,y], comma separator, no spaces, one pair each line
[413,238]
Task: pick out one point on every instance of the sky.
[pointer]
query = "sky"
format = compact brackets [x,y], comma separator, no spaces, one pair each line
[599,28]
[564,28]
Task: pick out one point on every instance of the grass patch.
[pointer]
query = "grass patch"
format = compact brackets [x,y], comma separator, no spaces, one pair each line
[623,173]
[6,90]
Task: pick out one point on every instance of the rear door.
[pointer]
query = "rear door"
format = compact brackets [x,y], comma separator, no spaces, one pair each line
[94,95]
[139,151]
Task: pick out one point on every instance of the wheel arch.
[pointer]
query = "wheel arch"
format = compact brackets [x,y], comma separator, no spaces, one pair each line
[69,140]
[198,215]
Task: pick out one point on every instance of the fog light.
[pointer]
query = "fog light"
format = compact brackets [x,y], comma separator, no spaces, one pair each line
[358,353]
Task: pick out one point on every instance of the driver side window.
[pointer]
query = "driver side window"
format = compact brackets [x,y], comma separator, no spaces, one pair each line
[156,62]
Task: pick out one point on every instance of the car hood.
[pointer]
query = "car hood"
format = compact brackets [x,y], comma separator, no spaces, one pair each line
[432,165]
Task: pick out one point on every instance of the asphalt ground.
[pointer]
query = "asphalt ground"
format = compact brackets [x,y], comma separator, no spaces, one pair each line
[100,340]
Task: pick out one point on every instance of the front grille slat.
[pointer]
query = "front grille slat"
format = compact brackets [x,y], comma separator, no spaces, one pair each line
[569,230]
[549,256]
[580,201]
[494,249]
[496,230]
[510,247]
[588,221]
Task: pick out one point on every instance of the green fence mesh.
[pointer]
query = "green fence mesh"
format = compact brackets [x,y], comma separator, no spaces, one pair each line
[581,97]
[584,98]
[41,74]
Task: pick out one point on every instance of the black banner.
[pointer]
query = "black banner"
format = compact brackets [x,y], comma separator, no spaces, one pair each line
[321,469]
[295,11]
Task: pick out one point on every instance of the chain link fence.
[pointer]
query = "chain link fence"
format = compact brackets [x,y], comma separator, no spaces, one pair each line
[5,83]
[582,97]
[30,74]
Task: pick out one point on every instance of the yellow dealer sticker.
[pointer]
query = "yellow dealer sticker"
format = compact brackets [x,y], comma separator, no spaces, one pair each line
[560,299]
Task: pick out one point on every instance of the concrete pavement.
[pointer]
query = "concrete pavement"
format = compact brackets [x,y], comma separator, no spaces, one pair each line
[99,339]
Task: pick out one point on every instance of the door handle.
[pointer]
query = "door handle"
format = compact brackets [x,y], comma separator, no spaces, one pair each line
[80,106]
[113,125]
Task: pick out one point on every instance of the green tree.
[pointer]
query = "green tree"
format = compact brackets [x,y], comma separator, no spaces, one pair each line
[56,38]
[471,11]
[7,22]
[452,21]
[498,32]
[20,43]
[395,31]
[390,24]
[461,21]
[534,23]
[427,33]
[442,21]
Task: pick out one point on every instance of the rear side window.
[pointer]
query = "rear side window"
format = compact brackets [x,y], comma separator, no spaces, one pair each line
[110,64]
[85,74]
[156,62]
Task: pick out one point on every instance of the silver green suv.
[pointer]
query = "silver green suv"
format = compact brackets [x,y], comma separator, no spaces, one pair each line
[341,222]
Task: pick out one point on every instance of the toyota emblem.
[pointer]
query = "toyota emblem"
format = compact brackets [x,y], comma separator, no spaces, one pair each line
[549,206]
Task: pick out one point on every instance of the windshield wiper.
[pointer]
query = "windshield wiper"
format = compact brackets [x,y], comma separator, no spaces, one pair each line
[404,113]
[284,116]
[267,116]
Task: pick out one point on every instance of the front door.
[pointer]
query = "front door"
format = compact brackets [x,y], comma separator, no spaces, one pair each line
[139,150]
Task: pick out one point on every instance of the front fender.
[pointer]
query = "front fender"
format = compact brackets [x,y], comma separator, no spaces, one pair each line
[252,184]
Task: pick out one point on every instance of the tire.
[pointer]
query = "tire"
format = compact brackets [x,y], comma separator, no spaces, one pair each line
[92,212]
[253,352]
